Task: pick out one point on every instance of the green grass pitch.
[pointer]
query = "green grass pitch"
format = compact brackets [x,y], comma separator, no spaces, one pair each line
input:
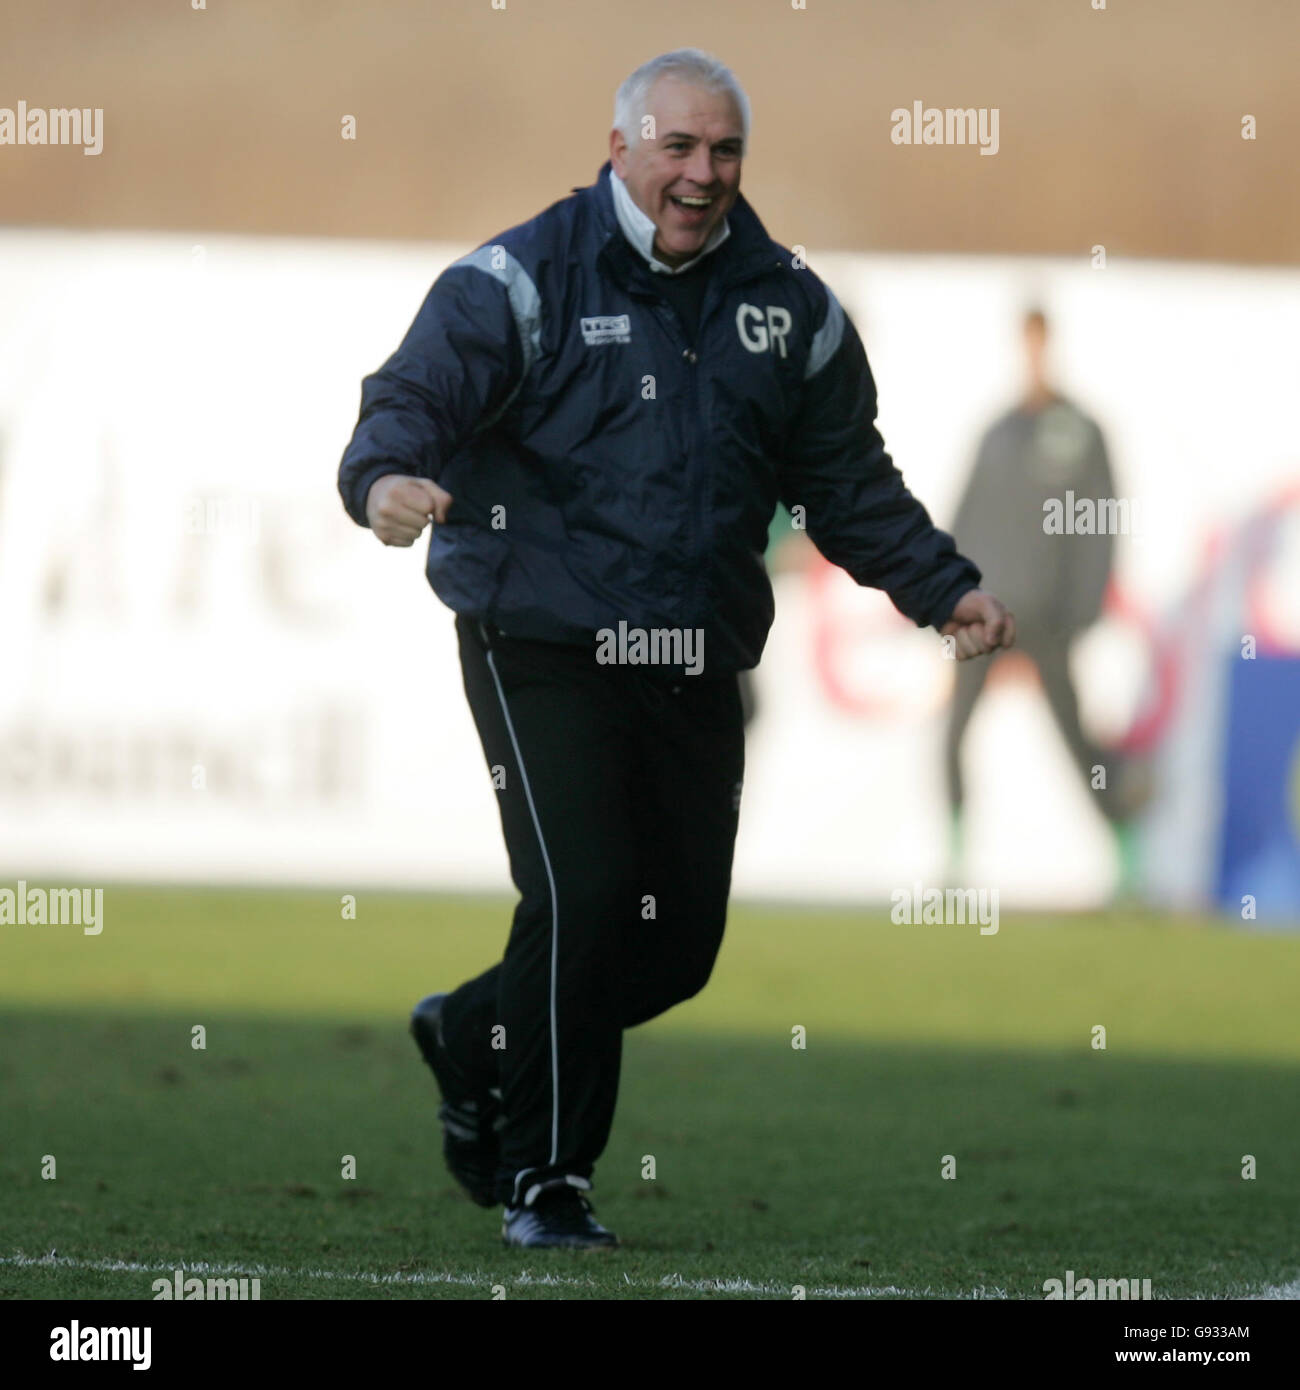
[776,1166]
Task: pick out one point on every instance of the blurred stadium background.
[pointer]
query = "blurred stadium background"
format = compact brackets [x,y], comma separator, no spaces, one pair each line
[213,681]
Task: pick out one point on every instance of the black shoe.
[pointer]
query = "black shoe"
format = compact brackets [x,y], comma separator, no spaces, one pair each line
[556,1215]
[469,1123]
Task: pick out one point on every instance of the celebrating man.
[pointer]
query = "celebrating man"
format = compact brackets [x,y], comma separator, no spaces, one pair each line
[599,410]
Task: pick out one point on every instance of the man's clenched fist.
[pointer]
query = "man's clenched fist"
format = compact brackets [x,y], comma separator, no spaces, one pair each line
[980,624]
[398,507]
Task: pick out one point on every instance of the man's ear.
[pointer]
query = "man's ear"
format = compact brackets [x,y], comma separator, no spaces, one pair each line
[618,151]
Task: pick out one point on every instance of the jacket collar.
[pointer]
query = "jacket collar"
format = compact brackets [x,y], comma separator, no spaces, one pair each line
[640,229]
[744,251]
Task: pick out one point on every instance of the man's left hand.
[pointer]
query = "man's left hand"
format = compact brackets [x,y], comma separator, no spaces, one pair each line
[980,624]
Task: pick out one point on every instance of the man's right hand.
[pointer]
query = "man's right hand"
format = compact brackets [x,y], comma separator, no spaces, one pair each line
[399,507]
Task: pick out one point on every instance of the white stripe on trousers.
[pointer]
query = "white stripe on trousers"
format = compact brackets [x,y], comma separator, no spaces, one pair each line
[555,923]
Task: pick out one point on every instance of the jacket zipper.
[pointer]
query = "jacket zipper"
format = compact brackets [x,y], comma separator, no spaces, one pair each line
[676,332]
[713,297]
[697,515]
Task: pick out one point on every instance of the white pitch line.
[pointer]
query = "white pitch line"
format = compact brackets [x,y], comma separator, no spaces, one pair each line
[523,1280]
[526,1279]
[1291,1290]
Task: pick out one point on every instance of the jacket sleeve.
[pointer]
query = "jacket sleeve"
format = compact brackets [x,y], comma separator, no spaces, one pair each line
[858,510]
[456,369]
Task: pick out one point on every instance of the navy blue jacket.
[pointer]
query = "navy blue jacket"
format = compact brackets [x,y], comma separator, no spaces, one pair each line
[605,469]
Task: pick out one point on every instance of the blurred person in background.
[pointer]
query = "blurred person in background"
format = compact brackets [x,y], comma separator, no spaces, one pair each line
[1039,452]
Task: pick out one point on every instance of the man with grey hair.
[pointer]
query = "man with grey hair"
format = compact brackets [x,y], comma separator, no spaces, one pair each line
[600,410]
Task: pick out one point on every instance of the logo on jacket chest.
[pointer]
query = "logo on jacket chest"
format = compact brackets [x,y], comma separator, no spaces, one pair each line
[606,328]
[763,330]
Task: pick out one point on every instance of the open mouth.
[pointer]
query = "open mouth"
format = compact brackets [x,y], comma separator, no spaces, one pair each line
[692,209]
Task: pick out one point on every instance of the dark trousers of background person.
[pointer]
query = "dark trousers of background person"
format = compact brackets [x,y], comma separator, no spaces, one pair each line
[1050,651]
[619,808]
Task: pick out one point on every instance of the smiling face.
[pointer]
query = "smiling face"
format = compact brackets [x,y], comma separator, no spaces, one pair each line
[687,178]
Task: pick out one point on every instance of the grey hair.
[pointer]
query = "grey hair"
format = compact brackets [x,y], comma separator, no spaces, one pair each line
[687,64]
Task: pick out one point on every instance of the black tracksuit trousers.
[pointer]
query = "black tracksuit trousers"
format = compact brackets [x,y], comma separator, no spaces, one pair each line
[619,790]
